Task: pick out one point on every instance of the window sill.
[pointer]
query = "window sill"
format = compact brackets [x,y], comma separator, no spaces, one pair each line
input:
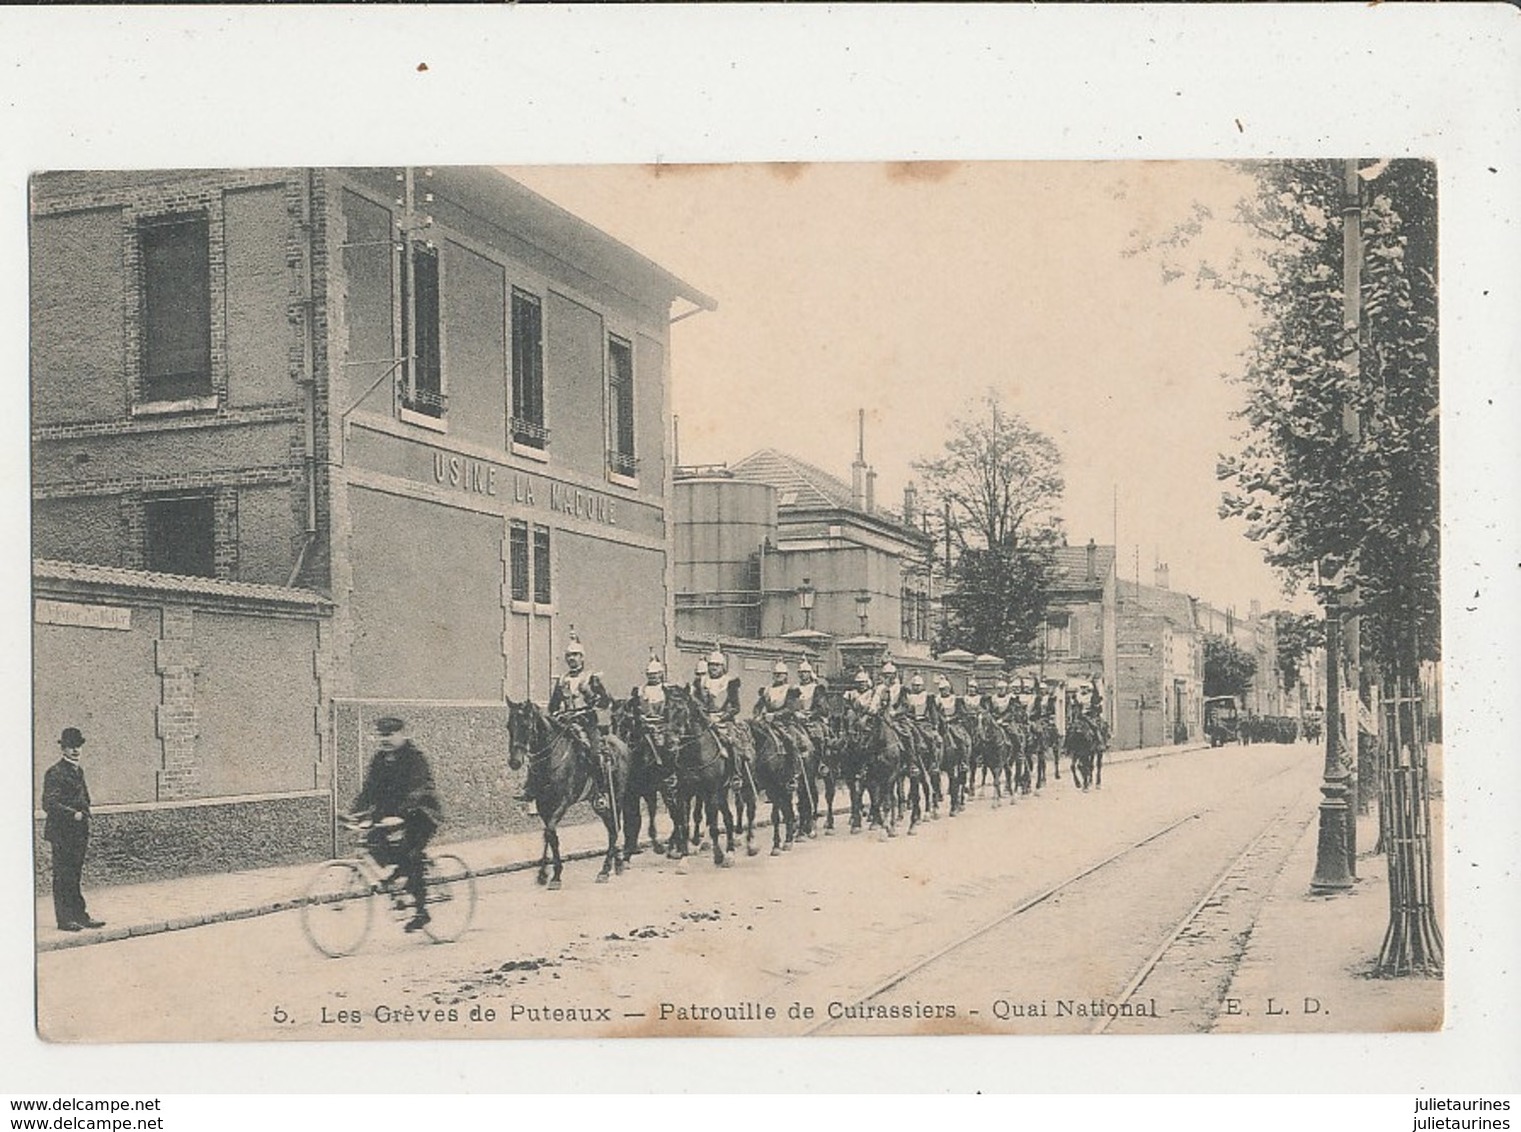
[622,480]
[536,609]
[423,420]
[207,403]
[530,452]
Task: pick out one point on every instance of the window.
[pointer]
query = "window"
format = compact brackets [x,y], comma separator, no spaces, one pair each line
[181,536]
[620,408]
[527,424]
[176,334]
[529,572]
[420,331]
[1059,635]
[542,594]
[517,557]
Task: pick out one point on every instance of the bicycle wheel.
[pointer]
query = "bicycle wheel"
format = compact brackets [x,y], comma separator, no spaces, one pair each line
[451,898]
[337,910]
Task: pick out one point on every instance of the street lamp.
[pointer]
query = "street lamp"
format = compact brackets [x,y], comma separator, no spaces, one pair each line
[805,596]
[863,603]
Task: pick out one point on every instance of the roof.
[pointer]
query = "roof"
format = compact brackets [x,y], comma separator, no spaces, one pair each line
[801,486]
[1176,607]
[1069,567]
[116,577]
[570,235]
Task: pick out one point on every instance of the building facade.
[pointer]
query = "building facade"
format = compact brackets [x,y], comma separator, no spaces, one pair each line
[1159,697]
[402,430]
[1079,636]
[776,555]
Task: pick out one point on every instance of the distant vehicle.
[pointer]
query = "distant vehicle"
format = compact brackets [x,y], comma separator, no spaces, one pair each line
[1222,720]
[1314,723]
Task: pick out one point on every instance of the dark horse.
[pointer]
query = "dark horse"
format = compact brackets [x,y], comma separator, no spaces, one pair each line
[702,775]
[773,770]
[1085,745]
[992,754]
[650,778]
[870,752]
[560,775]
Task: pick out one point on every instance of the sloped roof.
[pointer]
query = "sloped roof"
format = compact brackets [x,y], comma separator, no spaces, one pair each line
[90,574]
[1069,567]
[803,486]
[1176,607]
[798,483]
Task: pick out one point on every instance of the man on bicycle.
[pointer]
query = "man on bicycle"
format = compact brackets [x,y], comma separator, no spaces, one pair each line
[399,784]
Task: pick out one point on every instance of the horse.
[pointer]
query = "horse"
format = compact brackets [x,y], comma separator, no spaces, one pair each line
[917,779]
[702,776]
[956,745]
[991,755]
[559,776]
[829,716]
[870,753]
[650,778]
[773,773]
[1085,745]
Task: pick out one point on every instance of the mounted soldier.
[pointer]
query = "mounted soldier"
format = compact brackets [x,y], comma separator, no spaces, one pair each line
[922,711]
[776,706]
[862,696]
[717,693]
[581,702]
[649,704]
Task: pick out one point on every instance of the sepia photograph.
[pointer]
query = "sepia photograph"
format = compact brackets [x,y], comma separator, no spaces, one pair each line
[738,600]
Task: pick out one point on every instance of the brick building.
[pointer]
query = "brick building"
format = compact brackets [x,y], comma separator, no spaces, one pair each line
[313,444]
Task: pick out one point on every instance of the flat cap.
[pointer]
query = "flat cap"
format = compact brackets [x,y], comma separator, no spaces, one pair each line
[389,724]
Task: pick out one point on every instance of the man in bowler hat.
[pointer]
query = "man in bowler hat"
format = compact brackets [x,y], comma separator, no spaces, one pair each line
[66,802]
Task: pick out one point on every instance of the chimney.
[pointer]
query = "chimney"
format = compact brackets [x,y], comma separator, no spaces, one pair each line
[1162,576]
[1092,560]
[858,469]
[871,490]
[1256,608]
[910,505]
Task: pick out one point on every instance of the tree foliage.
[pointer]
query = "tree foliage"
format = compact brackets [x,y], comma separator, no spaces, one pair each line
[1297,634]
[1228,669]
[998,483]
[1336,474]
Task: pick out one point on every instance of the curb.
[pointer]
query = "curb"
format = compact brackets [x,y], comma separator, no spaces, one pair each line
[200,920]
[180,923]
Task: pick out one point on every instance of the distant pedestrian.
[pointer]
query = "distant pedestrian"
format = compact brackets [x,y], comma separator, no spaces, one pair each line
[66,804]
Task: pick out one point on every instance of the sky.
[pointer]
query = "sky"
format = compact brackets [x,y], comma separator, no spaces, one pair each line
[908,290]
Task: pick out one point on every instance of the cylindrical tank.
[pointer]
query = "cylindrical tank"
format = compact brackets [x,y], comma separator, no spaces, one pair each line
[720,526]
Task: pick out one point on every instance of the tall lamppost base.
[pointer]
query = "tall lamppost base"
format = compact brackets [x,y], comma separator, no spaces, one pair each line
[1331,872]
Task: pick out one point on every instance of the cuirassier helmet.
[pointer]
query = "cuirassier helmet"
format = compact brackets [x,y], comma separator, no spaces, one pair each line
[654,667]
[716,657]
[917,683]
[779,668]
[574,648]
[804,667]
[862,680]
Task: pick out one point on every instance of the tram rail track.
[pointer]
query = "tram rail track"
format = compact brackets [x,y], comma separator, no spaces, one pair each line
[1025,906]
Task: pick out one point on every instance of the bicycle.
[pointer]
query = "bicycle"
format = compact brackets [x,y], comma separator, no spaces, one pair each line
[339,903]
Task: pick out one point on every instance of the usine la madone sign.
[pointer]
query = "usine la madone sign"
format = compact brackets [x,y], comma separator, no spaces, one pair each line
[484,478]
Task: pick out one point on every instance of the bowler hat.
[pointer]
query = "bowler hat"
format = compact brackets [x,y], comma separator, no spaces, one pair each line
[389,725]
[72,738]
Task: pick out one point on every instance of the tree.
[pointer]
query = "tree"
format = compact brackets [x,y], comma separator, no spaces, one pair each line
[999,482]
[1297,635]
[1228,669]
[1338,469]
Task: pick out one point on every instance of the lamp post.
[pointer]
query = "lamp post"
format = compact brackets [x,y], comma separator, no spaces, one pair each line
[863,603]
[805,596]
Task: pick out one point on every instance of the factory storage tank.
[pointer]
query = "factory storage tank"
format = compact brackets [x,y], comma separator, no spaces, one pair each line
[722,528]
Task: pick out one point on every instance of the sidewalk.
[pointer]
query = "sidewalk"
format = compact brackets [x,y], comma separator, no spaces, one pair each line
[1307,964]
[188,902]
